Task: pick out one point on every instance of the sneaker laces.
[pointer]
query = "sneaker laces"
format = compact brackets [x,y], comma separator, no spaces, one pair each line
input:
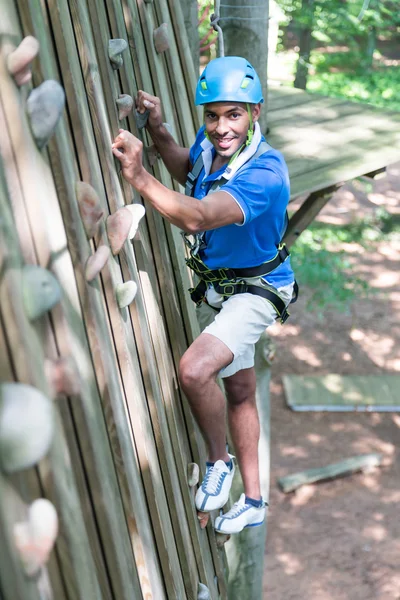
[213,477]
[236,509]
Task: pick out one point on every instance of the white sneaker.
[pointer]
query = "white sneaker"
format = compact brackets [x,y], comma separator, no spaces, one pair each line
[241,515]
[215,487]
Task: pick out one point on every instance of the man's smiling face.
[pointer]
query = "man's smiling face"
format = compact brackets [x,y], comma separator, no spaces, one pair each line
[227,124]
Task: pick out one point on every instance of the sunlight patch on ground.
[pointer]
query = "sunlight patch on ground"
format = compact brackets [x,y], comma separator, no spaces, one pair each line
[380,349]
[296,451]
[303,495]
[291,563]
[314,438]
[307,355]
[375,532]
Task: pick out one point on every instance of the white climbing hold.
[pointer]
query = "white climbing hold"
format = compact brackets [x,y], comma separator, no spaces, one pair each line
[161,38]
[26,426]
[40,291]
[137,211]
[125,105]
[89,207]
[19,61]
[125,293]
[45,106]
[96,262]
[35,537]
[115,49]
[193,473]
[203,593]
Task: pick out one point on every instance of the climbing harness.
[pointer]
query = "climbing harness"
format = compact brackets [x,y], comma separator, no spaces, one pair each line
[225,280]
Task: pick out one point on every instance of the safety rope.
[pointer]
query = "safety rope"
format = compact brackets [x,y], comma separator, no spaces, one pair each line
[215,17]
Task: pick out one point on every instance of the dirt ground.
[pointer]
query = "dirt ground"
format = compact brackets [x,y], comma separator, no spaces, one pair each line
[339,540]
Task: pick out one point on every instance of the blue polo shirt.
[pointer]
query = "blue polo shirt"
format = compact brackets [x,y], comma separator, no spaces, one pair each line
[261,189]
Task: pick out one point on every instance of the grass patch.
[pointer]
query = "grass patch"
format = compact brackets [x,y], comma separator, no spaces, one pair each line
[380,87]
[326,271]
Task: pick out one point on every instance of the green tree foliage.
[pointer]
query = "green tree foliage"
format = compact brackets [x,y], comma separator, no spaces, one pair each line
[356,24]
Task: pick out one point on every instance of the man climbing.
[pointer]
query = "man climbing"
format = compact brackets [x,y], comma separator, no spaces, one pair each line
[234,213]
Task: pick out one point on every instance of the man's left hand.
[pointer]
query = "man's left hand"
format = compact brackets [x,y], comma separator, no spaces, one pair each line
[129,151]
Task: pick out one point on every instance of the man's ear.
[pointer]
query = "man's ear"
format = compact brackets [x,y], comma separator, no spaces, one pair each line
[256,111]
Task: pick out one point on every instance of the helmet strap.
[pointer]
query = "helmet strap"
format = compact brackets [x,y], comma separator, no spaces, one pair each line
[250,131]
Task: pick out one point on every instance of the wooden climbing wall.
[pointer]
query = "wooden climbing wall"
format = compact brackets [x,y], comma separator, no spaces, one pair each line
[123,436]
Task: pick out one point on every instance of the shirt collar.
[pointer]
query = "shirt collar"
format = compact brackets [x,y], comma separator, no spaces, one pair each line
[243,157]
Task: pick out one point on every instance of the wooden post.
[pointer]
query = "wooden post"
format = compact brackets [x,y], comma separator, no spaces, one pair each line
[245,551]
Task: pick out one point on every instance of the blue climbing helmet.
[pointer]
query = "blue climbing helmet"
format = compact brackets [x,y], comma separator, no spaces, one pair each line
[229,79]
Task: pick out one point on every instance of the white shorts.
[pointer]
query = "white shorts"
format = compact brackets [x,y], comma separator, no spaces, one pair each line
[239,324]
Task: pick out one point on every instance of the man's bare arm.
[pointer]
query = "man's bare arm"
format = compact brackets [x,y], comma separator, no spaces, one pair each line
[191,215]
[175,158]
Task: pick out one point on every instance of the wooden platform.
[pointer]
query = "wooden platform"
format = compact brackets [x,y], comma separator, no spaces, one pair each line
[327,140]
[342,393]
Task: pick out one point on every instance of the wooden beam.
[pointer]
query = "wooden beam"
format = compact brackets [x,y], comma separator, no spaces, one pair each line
[307,212]
[365,462]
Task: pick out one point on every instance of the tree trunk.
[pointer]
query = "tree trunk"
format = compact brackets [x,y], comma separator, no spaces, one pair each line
[190,15]
[305,43]
[246,34]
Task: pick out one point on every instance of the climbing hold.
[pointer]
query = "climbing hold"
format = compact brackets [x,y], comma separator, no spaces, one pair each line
[193,473]
[89,207]
[115,49]
[152,155]
[168,128]
[26,426]
[221,539]
[125,105]
[45,106]
[118,227]
[63,376]
[203,518]
[96,262]
[161,38]
[40,291]
[19,61]
[125,293]
[35,537]
[203,593]
[137,211]
[141,118]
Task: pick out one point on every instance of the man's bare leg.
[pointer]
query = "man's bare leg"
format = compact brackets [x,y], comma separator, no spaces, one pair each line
[198,370]
[244,427]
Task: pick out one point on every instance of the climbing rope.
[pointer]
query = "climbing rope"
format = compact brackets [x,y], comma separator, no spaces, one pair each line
[215,17]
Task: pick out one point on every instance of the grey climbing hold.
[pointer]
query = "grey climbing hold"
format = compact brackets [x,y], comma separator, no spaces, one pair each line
[203,593]
[125,105]
[152,155]
[161,38]
[45,106]
[141,118]
[125,293]
[96,262]
[26,426]
[40,291]
[89,207]
[19,61]
[115,49]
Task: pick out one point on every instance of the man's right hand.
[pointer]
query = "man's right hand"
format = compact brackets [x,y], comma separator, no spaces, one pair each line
[145,101]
